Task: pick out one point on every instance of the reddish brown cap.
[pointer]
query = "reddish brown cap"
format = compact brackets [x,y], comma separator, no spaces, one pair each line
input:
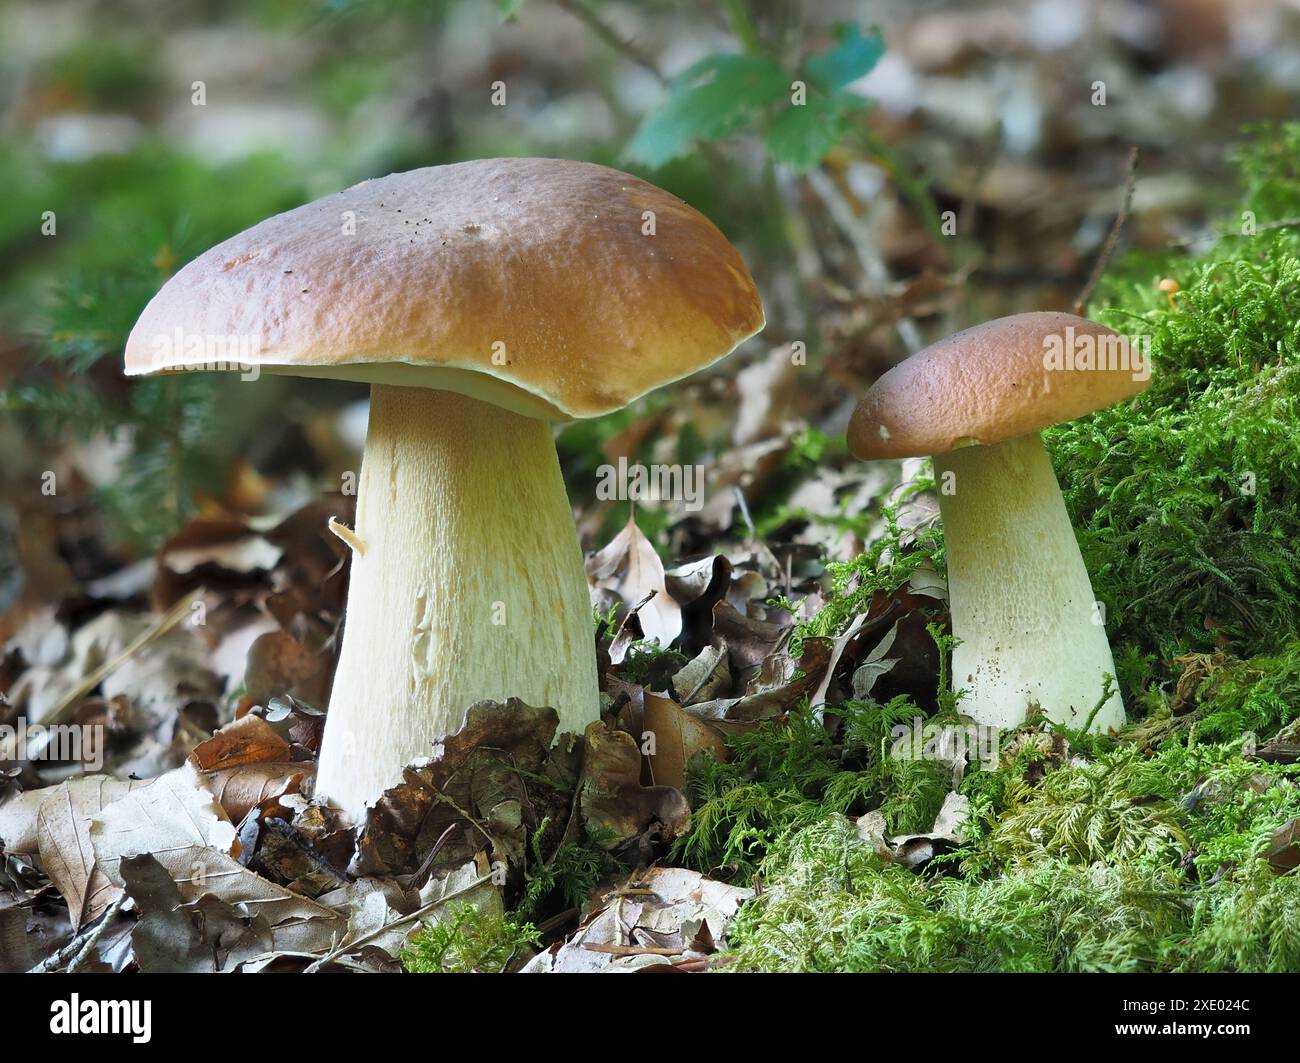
[561,289]
[995,381]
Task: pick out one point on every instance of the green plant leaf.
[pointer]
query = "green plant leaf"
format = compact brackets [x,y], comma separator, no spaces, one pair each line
[852,57]
[800,136]
[718,96]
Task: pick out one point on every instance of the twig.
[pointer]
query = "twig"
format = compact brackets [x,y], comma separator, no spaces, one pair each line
[579,10]
[77,951]
[417,880]
[88,949]
[1112,237]
[419,913]
[73,697]
[873,264]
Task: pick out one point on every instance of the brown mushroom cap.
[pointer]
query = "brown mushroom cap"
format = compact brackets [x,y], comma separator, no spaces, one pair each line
[530,282]
[993,382]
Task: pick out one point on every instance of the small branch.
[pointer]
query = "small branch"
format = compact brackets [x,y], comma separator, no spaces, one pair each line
[77,952]
[742,25]
[579,10]
[1112,238]
[419,913]
[72,699]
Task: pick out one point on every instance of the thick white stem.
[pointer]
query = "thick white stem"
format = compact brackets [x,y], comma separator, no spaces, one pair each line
[1022,603]
[470,586]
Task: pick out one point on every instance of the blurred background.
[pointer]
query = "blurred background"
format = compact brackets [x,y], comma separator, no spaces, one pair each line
[952,162]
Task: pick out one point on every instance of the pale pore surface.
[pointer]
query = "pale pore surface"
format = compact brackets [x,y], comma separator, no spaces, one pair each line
[470,586]
[1021,600]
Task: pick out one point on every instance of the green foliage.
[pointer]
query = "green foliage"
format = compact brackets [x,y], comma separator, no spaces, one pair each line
[572,873]
[1093,813]
[1187,499]
[1253,926]
[469,942]
[889,561]
[728,93]
[791,773]
[125,222]
[1257,696]
[830,904]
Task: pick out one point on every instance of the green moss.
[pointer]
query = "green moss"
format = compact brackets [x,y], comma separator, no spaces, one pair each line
[1093,813]
[569,875]
[830,904]
[888,562]
[1144,850]
[469,942]
[792,773]
[1187,499]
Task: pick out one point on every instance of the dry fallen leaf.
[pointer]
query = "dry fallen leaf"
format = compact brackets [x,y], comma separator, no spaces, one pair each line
[678,736]
[248,740]
[630,567]
[175,817]
[245,786]
[53,825]
[612,799]
[658,916]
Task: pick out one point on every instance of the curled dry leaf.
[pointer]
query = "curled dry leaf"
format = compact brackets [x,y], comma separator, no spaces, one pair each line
[630,567]
[243,787]
[248,740]
[763,702]
[476,780]
[1283,852]
[658,916]
[614,804]
[678,736]
[280,664]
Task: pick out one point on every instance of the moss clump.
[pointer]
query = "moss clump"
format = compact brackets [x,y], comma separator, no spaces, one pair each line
[832,905]
[1187,499]
[792,773]
[1127,863]
[470,942]
[1145,850]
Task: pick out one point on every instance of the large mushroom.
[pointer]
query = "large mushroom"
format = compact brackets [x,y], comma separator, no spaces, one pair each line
[481,301]
[1022,605]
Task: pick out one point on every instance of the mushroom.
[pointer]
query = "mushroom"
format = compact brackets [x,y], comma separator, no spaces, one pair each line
[481,301]
[1021,601]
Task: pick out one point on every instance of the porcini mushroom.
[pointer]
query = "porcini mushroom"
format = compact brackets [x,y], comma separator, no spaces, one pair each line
[481,301]
[1022,604]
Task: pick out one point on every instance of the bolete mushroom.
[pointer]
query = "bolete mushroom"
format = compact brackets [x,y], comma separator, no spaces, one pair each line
[1022,605]
[481,301]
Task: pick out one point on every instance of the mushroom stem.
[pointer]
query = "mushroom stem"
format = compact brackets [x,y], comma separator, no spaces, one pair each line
[1022,603]
[471,586]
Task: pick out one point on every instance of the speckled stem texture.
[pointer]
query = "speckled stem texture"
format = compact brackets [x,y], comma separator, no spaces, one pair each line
[1022,603]
[470,586]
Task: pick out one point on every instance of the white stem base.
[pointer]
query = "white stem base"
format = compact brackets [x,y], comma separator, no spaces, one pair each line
[470,585]
[1021,600]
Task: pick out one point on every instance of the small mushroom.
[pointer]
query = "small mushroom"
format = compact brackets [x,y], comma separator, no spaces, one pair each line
[1022,604]
[467,579]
